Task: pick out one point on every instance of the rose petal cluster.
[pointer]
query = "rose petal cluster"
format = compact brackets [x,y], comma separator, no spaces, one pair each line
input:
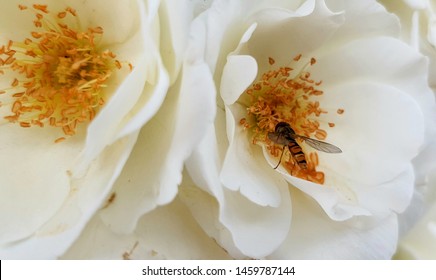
[232,203]
[417,236]
[366,73]
[185,157]
[49,189]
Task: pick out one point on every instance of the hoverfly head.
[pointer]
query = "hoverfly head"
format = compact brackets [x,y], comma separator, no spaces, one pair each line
[284,128]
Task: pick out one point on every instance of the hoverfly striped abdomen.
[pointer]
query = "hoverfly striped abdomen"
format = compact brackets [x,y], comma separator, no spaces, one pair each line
[297,153]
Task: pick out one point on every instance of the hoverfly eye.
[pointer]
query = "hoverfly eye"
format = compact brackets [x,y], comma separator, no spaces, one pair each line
[282,127]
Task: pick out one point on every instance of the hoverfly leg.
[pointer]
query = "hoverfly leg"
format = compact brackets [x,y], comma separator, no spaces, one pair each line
[280,160]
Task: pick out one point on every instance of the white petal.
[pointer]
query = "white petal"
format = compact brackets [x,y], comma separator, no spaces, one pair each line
[394,195]
[372,110]
[377,21]
[386,51]
[146,86]
[194,107]
[285,39]
[51,239]
[417,4]
[153,172]
[351,63]
[237,214]
[131,194]
[418,28]
[102,130]
[257,231]
[224,26]
[244,168]
[147,104]
[205,209]
[369,160]
[175,18]
[420,241]
[201,6]
[339,201]
[204,165]
[316,236]
[238,74]
[416,208]
[34,182]
[431,34]
[120,31]
[169,232]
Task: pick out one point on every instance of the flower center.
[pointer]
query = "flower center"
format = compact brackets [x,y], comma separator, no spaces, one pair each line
[58,74]
[282,114]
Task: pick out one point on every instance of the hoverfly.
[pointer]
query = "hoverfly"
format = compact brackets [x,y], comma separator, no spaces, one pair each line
[286,136]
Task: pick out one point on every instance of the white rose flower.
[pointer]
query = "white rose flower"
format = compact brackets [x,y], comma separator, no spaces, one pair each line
[78,80]
[126,226]
[333,71]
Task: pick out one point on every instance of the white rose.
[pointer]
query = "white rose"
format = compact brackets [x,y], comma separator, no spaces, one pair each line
[58,166]
[373,103]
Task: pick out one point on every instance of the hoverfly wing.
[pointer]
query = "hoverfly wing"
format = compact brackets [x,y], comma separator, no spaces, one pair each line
[320,145]
[278,138]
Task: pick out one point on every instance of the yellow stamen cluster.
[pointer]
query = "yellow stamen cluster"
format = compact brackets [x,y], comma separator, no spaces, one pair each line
[61,73]
[282,96]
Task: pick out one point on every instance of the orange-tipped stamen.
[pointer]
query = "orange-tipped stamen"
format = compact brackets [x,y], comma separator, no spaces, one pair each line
[60,73]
